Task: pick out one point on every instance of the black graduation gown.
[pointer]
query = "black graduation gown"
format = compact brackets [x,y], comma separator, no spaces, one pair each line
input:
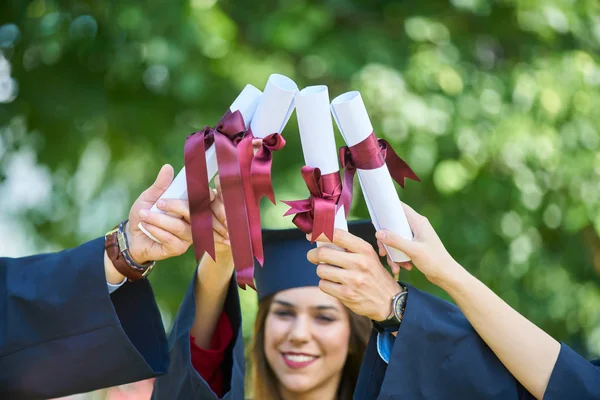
[436,355]
[183,382]
[62,333]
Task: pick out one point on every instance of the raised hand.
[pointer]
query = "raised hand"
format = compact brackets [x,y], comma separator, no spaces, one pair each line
[174,230]
[426,249]
[356,276]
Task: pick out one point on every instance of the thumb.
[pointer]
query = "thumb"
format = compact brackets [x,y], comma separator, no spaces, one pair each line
[160,185]
[396,241]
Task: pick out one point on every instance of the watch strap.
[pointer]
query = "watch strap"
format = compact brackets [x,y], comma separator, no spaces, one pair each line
[116,247]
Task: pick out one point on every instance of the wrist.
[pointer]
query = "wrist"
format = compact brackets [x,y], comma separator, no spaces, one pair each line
[387,308]
[221,269]
[392,323]
[455,280]
[135,253]
[112,275]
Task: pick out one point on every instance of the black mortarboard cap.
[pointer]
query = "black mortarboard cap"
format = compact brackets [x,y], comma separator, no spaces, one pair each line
[286,265]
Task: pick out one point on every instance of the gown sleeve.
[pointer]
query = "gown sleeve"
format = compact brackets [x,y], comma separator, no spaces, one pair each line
[183,380]
[573,377]
[62,333]
[436,355]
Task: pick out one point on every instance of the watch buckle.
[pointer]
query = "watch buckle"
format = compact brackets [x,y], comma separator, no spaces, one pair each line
[112,232]
[122,242]
[148,270]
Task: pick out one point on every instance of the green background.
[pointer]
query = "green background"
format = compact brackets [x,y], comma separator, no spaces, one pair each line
[494,104]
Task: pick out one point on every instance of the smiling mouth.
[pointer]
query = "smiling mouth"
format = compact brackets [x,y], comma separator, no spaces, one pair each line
[296,360]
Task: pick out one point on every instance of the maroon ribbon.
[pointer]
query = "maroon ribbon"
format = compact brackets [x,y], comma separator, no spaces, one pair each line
[317,213]
[256,178]
[261,165]
[371,153]
[226,135]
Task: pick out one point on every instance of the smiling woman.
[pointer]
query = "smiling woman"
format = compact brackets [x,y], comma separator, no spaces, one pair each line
[306,344]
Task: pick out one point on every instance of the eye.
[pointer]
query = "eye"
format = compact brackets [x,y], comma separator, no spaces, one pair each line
[325,318]
[283,313]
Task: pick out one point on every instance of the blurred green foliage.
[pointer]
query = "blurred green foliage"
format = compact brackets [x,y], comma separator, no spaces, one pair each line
[494,103]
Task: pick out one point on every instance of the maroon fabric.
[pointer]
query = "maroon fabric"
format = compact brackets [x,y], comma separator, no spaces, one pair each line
[317,213]
[256,179]
[261,166]
[246,154]
[207,362]
[371,153]
[227,134]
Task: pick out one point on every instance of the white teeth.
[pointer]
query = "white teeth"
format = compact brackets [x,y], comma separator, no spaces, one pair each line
[299,358]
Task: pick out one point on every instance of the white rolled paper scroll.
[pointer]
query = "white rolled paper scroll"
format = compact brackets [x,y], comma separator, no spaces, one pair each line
[275,106]
[317,137]
[246,103]
[377,186]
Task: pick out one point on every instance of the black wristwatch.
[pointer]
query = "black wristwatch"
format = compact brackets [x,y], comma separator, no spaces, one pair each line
[392,323]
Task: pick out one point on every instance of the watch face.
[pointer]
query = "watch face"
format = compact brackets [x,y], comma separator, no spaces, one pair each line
[399,305]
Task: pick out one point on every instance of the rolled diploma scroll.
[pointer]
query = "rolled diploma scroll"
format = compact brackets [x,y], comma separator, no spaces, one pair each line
[318,140]
[246,104]
[274,107]
[378,188]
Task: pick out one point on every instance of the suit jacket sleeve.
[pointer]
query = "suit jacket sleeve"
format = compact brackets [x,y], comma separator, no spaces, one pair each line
[573,377]
[62,333]
[183,381]
[436,355]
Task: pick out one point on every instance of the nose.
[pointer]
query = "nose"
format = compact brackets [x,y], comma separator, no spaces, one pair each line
[300,330]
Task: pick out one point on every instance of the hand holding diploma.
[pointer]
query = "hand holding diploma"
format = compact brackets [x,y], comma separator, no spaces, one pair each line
[371,158]
[245,103]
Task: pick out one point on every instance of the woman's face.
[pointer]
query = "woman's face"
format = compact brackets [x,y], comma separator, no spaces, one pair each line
[306,339]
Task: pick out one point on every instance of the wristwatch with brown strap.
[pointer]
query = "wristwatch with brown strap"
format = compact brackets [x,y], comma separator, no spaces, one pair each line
[117,249]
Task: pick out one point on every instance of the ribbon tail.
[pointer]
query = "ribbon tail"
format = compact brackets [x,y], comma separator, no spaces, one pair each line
[196,177]
[399,169]
[245,277]
[261,175]
[324,218]
[246,160]
[234,200]
[347,190]
[297,206]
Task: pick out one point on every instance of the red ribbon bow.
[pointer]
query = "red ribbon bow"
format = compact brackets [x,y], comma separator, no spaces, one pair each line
[226,135]
[317,213]
[372,153]
[256,178]
[261,165]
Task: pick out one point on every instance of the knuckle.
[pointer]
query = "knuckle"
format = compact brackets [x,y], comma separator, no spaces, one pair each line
[358,281]
[346,293]
[369,250]
[319,253]
[180,229]
[167,204]
[362,264]
[169,242]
